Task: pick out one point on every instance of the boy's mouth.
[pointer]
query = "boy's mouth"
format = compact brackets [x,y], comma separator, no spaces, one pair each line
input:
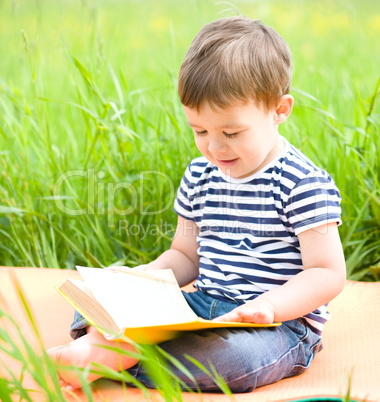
[226,162]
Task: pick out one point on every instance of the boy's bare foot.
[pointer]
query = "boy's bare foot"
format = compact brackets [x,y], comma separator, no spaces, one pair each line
[85,350]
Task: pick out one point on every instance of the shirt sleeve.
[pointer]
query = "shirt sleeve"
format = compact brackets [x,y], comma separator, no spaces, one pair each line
[314,201]
[183,204]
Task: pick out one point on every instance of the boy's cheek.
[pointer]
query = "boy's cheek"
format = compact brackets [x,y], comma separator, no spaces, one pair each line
[200,144]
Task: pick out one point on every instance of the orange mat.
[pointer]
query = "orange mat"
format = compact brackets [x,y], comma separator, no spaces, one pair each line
[351,342]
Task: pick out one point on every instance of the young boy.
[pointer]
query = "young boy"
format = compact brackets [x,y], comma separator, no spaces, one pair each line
[257,222]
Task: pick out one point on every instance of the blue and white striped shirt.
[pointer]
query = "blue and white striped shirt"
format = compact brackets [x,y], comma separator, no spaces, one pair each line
[248,227]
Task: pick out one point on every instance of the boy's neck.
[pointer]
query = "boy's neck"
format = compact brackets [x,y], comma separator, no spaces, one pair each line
[276,150]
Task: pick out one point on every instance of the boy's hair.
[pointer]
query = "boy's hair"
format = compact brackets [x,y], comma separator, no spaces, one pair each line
[235,59]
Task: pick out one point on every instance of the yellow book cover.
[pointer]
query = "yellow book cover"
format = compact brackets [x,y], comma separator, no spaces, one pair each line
[146,307]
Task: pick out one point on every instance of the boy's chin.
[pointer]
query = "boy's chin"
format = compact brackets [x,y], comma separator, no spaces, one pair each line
[235,173]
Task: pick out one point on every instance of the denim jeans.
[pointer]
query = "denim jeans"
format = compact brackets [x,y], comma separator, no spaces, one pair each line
[246,358]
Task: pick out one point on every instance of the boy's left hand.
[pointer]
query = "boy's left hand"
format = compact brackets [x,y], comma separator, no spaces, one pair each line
[257,311]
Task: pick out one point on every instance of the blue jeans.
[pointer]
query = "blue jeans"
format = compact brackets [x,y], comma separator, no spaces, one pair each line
[246,358]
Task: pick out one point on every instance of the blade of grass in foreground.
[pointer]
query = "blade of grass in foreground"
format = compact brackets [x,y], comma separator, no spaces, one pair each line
[5,390]
[36,363]
[34,360]
[158,364]
[166,383]
[213,374]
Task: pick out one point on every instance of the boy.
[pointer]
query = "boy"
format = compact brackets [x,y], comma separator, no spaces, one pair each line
[257,222]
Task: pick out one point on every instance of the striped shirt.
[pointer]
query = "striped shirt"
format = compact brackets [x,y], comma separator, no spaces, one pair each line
[248,227]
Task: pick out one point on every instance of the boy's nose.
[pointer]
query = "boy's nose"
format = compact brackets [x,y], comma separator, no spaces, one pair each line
[216,146]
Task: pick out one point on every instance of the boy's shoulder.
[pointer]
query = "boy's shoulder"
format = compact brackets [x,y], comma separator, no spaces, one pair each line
[297,167]
[295,159]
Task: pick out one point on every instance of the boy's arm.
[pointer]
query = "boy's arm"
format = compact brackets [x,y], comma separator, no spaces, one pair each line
[322,279]
[182,256]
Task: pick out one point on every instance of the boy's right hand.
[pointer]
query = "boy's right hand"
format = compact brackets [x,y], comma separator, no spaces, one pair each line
[126,269]
[116,268]
[144,267]
[152,266]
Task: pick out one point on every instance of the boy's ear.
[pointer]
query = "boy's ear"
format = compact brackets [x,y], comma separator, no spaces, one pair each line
[284,108]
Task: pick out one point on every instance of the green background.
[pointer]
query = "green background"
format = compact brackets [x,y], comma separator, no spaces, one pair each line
[90,87]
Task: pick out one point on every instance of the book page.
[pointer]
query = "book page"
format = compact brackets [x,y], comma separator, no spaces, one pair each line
[135,300]
[80,296]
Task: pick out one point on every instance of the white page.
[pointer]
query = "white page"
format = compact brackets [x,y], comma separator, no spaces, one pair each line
[132,300]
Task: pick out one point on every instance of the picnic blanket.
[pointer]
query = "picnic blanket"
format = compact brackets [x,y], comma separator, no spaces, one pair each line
[351,342]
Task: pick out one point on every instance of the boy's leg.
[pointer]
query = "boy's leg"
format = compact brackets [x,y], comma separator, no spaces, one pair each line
[85,350]
[245,358]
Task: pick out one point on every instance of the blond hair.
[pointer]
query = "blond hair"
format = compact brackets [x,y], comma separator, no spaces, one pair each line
[235,59]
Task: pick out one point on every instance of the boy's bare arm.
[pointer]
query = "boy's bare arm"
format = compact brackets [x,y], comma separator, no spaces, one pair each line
[182,256]
[322,279]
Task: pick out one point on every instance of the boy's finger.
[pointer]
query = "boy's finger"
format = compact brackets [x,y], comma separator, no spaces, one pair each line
[229,317]
[143,267]
[115,269]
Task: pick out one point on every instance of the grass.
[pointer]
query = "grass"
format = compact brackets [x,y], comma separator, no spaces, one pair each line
[94,142]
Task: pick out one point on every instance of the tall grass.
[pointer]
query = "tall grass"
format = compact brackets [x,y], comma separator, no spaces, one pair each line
[94,141]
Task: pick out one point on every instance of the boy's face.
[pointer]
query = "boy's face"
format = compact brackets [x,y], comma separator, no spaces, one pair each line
[239,140]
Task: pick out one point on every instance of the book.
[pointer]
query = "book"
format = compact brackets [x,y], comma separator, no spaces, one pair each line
[147,307]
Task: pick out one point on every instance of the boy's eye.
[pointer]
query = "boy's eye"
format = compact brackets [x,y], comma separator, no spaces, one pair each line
[228,135]
[232,135]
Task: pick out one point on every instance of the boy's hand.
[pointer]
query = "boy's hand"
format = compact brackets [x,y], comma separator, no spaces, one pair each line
[116,268]
[152,266]
[144,267]
[257,311]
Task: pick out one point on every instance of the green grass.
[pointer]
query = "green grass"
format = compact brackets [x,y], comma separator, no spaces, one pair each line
[90,122]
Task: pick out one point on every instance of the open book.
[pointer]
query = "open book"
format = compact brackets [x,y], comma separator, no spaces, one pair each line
[146,307]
